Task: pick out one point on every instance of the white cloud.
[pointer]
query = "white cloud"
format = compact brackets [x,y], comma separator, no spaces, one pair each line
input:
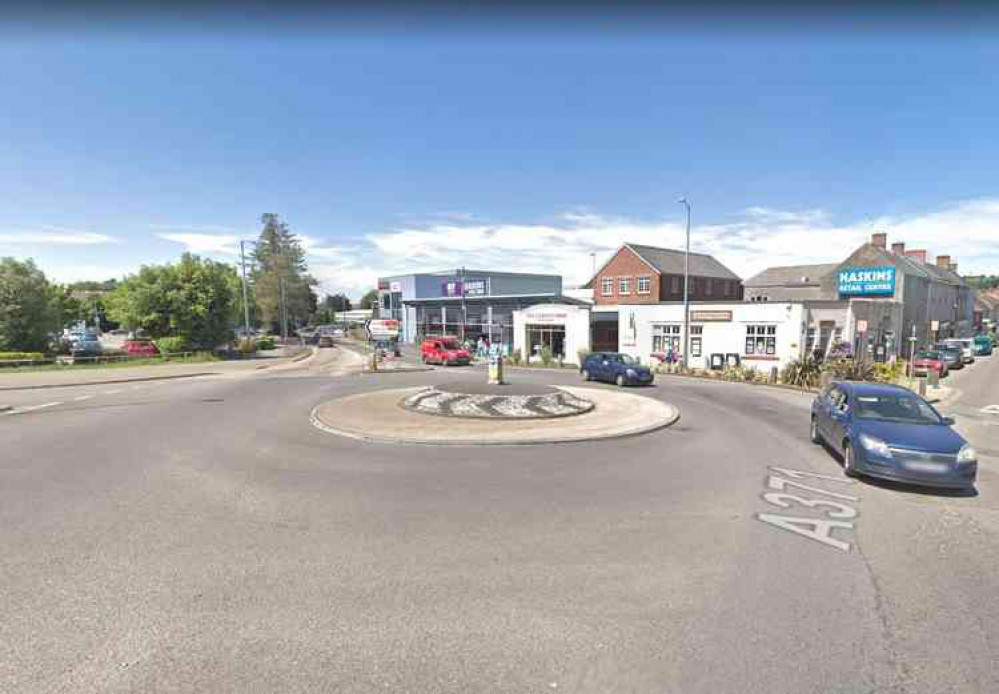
[758,238]
[223,244]
[54,236]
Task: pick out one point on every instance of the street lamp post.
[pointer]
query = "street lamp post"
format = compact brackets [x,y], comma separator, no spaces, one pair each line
[246,304]
[686,285]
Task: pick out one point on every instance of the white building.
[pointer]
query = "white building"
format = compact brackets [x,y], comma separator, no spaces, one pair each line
[762,335]
[563,328]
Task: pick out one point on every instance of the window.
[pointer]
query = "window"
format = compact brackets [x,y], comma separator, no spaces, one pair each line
[728,287]
[695,340]
[644,285]
[607,286]
[761,340]
[665,337]
[708,286]
[624,286]
[675,284]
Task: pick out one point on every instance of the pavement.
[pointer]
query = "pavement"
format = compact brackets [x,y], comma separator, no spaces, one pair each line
[200,535]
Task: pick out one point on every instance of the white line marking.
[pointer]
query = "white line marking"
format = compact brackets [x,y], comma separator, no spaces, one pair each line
[820,530]
[136,387]
[991,409]
[112,392]
[798,474]
[81,398]
[781,485]
[32,408]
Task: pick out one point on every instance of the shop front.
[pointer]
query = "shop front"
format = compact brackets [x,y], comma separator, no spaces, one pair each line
[763,335]
[561,330]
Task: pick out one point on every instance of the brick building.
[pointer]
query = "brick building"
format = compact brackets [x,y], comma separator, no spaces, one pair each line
[638,274]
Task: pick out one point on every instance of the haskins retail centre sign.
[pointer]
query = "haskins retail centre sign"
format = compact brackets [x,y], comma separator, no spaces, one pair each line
[867,281]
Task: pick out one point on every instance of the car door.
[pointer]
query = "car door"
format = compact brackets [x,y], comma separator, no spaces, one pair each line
[605,368]
[824,410]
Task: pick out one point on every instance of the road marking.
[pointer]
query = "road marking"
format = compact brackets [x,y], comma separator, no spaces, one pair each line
[137,387]
[112,392]
[32,408]
[990,409]
[818,529]
[81,398]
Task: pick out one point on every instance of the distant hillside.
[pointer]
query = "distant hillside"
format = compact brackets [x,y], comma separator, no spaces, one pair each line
[983,281]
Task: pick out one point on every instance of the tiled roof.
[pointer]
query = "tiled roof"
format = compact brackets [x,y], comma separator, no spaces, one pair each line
[791,275]
[669,261]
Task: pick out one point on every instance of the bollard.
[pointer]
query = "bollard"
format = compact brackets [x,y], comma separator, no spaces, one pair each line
[495,370]
[921,387]
[932,378]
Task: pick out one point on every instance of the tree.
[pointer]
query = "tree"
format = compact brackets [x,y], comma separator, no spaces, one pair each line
[369,300]
[281,266]
[30,307]
[330,306]
[194,299]
[983,282]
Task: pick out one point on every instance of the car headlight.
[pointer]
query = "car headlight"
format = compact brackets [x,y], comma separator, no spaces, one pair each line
[967,454]
[876,446]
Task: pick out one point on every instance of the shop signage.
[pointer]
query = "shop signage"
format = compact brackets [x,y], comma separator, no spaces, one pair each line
[395,287]
[473,287]
[867,281]
[861,326]
[546,316]
[711,316]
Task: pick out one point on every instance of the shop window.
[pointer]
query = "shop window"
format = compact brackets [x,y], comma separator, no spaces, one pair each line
[665,337]
[761,340]
[644,285]
[696,332]
[607,286]
[540,335]
[624,286]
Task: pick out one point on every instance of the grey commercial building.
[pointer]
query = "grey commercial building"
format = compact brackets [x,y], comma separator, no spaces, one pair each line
[464,303]
[876,299]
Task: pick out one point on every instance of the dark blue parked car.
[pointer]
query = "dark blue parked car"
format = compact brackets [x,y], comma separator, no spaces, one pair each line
[890,432]
[615,367]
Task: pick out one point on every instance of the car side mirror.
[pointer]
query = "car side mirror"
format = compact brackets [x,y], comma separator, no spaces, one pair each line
[949,421]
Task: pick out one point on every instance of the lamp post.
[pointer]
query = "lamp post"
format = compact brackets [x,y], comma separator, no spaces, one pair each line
[246,304]
[686,285]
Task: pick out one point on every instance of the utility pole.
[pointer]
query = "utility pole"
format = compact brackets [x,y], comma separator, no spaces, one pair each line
[686,285]
[464,314]
[246,303]
[912,350]
[283,310]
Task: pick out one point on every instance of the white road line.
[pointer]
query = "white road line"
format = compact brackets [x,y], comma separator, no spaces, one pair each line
[112,392]
[81,398]
[32,408]
[137,387]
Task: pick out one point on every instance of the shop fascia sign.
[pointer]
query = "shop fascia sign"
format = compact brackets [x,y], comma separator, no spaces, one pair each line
[711,316]
[867,281]
[546,315]
[473,287]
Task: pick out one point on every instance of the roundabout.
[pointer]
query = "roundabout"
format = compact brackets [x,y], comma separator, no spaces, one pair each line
[473,414]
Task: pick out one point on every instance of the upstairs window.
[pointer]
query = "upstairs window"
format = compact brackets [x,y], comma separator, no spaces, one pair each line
[607,286]
[644,285]
[624,286]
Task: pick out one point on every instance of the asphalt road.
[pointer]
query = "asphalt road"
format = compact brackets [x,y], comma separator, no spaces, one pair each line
[202,536]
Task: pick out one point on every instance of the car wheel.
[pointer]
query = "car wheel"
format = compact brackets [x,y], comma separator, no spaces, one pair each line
[849,465]
[813,432]
[619,381]
[586,375]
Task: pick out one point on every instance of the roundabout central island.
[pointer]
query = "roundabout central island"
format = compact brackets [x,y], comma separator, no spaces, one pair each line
[471,414]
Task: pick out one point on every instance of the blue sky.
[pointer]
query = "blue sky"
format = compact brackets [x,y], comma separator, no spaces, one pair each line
[510,149]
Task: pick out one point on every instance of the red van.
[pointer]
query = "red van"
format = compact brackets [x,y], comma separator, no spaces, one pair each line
[140,348]
[444,351]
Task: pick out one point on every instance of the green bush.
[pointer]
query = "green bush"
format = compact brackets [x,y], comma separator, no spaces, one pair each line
[803,373]
[850,369]
[20,356]
[890,373]
[546,355]
[246,346]
[172,345]
[515,356]
[266,342]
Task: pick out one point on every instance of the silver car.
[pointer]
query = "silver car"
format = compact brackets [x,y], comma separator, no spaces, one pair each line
[967,347]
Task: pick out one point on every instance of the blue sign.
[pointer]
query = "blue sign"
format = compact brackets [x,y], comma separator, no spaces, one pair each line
[867,281]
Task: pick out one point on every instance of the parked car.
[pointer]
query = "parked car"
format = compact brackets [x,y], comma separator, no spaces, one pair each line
[140,348]
[966,346]
[614,367]
[325,341]
[983,345]
[444,351]
[929,360]
[889,432]
[951,355]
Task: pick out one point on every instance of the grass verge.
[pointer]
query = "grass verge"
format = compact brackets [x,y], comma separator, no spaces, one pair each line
[145,361]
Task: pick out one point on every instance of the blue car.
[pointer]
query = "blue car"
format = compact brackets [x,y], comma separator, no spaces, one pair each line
[889,432]
[614,367]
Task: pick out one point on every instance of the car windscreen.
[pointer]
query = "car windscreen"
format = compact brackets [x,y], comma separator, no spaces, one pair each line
[928,355]
[894,407]
[629,360]
[450,344]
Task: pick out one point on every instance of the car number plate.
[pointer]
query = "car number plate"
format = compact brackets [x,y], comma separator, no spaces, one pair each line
[927,467]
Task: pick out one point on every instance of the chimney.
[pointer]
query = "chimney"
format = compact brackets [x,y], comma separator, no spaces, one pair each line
[898,248]
[880,239]
[943,262]
[919,255]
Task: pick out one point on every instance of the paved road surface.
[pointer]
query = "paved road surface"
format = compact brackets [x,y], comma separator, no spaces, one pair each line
[201,536]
